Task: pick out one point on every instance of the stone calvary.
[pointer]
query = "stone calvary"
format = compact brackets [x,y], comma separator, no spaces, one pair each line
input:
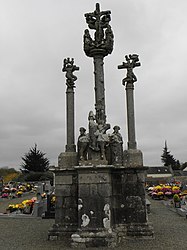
[99,187]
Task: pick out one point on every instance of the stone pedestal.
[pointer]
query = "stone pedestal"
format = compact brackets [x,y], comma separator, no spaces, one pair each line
[66,220]
[94,207]
[132,158]
[100,205]
[67,159]
[129,203]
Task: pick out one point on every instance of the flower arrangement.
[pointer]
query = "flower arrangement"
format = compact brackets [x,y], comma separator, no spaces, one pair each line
[53,199]
[25,207]
[163,191]
[19,193]
[4,195]
[176,198]
[15,207]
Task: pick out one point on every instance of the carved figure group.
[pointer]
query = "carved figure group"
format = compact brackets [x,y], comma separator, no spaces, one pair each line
[97,141]
[98,20]
[103,36]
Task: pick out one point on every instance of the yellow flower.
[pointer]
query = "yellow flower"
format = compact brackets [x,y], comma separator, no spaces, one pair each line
[53,199]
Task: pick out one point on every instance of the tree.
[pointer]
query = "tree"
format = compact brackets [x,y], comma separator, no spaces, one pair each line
[184,165]
[168,159]
[35,161]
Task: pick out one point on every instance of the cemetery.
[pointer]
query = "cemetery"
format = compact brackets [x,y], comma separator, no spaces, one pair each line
[36,199]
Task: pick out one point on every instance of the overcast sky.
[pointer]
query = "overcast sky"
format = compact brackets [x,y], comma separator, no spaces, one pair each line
[36,35]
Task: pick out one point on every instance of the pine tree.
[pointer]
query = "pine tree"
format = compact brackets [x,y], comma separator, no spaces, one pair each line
[168,159]
[35,161]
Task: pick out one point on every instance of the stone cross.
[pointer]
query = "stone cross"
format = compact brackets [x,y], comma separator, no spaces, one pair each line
[69,68]
[98,20]
[132,61]
[99,47]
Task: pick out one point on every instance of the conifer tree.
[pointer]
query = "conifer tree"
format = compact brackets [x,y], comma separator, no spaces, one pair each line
[168,159]
[35,161]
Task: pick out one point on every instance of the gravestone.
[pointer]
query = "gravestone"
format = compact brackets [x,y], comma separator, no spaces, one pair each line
[99,188]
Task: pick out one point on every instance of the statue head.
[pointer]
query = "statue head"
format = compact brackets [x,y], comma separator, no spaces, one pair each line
[91,116]
[82,130]
[116,128]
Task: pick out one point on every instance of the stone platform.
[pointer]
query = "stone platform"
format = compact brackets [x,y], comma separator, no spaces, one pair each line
[97,205]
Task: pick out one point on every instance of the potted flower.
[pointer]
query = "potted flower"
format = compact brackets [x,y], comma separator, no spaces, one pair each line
[176,200]
[19,194]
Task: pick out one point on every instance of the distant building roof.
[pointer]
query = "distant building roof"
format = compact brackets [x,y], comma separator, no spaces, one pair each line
[158,171]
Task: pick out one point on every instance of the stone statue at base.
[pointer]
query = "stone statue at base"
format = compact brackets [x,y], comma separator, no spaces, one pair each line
[102,139]
[116,144]
[83,143]
[92,130]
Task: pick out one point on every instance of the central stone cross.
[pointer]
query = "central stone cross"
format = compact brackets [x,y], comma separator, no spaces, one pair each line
[99,47]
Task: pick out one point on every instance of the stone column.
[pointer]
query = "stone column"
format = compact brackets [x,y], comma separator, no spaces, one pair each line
[131,157]
[132,61]
[99,89]
[70,126]
[130,116]
[69,157]
[69,68]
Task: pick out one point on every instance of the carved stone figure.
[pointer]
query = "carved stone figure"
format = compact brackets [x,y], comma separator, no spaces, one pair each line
[92,129]
[83,143]
[88,42]
[116,143]
[100,111]
[132,61]
[109,39]
[102,139]
[69,68]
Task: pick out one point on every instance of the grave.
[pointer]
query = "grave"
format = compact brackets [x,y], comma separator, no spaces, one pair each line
[99,188]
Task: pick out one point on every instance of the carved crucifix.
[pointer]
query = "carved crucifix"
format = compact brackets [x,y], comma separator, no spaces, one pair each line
[98,20]
[132,61]
[69,68]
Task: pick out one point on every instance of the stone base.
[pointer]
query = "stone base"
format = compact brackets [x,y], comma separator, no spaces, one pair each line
[67,159]
[93,239]
[132,158]
[100,205]
[140,230]
[48,215]
[57,232]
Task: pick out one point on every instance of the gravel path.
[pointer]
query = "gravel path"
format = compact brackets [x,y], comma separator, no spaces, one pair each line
[31,233]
